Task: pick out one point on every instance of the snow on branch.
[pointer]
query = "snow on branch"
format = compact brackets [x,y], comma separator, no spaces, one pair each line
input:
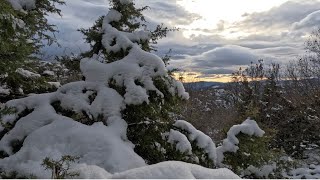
[27,74]
[203,141]
[183,144]
[249,127]
[22,4]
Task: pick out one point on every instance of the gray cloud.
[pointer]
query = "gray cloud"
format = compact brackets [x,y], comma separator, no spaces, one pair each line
[310,21]
[76,14]
[254,44]
[280,51]
[225,56]
[180,51]
[282,16]
[169,12]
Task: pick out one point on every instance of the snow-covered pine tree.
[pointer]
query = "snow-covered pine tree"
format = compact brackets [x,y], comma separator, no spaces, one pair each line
[149,120]
[23,27]
[116,120]
[131,20]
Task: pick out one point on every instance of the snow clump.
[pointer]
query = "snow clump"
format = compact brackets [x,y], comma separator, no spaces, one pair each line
[249,127]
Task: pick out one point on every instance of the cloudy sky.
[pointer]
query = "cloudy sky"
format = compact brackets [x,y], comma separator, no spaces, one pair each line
[216,37]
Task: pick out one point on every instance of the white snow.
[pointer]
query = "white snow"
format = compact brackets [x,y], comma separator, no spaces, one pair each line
[23,4]
[27,74]
[55,84]
[17,23]
[89,172]
[96,145]
[203,141]
[123,40]
[137,65]
[311,172]
[181,91]
[125,72]
[4,75]
[113,15]
[47,72]
[262,172]
[21,90]
[183,144]
[163,170]
[4,90]
[8,118]
[176,170]
[249,127]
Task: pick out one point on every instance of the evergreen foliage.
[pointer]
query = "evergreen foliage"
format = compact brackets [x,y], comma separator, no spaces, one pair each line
[21,37]
[60,168]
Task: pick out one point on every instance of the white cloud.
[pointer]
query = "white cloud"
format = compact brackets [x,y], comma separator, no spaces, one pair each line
[310,21]
[219,60]
[225,56]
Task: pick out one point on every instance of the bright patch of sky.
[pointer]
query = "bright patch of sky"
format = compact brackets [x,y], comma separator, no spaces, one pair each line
[215,14]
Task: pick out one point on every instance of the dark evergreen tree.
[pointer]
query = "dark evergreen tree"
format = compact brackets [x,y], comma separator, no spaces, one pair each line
[23,30]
